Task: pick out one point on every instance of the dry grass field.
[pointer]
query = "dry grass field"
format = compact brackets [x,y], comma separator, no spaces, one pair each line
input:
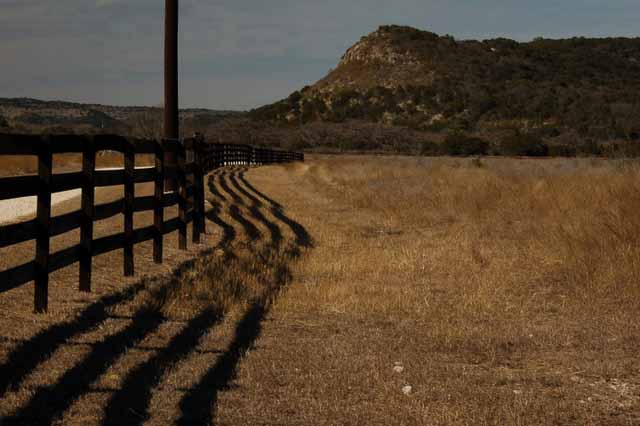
[352,291]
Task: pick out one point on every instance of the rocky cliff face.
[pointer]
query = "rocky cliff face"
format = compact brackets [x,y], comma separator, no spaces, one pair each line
[404,76]
[377,60]
[377,48]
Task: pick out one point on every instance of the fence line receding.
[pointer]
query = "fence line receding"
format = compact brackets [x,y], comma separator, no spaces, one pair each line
[195,159]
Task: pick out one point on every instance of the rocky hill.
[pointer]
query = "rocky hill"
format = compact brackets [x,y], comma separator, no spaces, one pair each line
[407,77]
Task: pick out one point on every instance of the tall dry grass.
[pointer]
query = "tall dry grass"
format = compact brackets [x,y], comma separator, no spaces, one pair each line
[508,288]
[226,280]
[509,242]
[25,165]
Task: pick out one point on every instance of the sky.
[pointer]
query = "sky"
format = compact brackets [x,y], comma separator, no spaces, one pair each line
[241,54]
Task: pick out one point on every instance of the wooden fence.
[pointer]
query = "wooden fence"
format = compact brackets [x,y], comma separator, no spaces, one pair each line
[195,159]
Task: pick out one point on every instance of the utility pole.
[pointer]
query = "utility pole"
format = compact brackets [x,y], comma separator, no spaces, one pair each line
[171,112]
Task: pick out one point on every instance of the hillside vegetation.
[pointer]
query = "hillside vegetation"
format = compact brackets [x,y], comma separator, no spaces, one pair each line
[403,90]
[25,115]
[576,89]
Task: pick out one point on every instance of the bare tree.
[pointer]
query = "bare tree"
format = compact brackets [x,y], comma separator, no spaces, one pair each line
[147,124]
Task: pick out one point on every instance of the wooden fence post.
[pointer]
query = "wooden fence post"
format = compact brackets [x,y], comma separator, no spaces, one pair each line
[198,191]
[43,220]
[182,197]
[88,202]
[129,199]
[158,203]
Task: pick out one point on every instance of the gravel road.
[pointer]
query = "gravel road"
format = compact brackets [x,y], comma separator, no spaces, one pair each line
[25,207]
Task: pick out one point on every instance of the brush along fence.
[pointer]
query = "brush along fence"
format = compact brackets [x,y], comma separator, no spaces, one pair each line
[195,159]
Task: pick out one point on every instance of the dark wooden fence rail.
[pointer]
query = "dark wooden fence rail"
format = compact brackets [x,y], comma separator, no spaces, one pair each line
[195,159]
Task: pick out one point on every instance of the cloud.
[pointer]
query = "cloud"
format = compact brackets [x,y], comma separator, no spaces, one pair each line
[246,53]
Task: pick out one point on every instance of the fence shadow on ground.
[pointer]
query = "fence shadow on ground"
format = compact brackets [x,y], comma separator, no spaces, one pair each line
[29,354]
[200,401]
[303,238]
[130,403]
[50,402]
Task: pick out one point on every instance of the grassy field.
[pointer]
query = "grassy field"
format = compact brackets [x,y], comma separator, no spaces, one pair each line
[360,290]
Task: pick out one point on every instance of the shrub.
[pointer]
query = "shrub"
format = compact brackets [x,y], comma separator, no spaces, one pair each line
[624,149]
[590,147]
[562,150]
[525,145]
[458,144]
[429,148]
[478,163]
[59,130]
[547,132]
[294,98]
[436,126]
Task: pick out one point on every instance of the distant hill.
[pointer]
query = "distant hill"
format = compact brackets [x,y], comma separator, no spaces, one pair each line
[33,115]
[407,77]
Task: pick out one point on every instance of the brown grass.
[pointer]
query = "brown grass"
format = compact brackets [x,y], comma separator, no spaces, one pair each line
[507,290]
[24,165]
[185,325]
